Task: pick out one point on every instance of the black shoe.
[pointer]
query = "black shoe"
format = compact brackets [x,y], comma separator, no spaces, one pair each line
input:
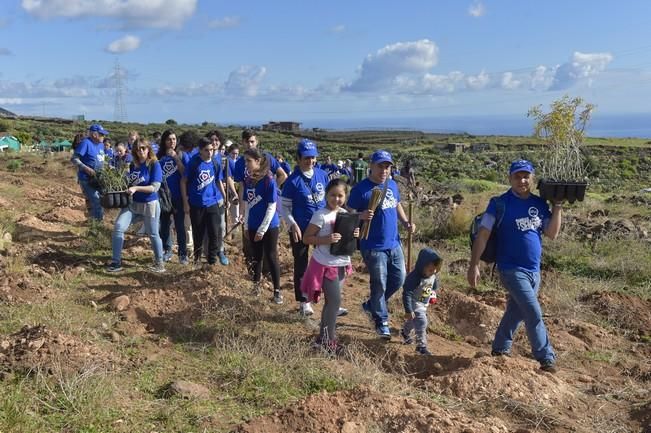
[114,267]
[548,365]
[406,339]
[499,353]
[423,350]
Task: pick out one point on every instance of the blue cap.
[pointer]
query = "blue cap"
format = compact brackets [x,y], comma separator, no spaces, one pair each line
[96,127]
[307,148]
[521,165]
[381,156]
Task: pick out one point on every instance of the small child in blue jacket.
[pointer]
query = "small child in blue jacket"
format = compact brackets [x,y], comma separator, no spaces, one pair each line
[418,291]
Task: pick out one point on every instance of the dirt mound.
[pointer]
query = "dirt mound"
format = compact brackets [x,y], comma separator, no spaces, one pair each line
[363,410]
[30,228]
[63,214]
[624,311]
[38,348]
[471,318]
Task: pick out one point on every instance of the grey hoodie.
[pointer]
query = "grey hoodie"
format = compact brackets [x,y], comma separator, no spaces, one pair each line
[417,288]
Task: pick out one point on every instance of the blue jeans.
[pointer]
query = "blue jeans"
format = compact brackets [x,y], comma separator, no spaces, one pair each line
[523,305]
[179,227]
[387,273]
[92,194]
[122,223]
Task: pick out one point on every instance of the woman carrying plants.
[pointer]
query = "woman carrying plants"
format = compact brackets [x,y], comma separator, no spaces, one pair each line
[144,178]
[203,198]
[303,194]
[261,223]
[173,164]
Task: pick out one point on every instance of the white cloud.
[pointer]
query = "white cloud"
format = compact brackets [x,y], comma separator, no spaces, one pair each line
[192,89]
[478,82]
[389,63]
[5,52]
[11,101]
[124,45]
[339,28]
[130,13]
[245,81]
[477,9]
[509,82]
[225,23]
[582,67]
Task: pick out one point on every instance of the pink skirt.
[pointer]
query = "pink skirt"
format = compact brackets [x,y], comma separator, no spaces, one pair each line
[312,281]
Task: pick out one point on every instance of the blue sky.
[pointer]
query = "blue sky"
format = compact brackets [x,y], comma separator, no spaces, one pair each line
[255,61]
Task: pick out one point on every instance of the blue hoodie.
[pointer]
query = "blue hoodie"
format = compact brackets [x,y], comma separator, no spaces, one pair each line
[417,288]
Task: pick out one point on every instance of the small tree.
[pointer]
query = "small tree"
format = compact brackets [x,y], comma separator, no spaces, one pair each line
[563,128]
[170,122]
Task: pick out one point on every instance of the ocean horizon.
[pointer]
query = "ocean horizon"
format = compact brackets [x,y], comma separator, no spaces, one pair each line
[607,126]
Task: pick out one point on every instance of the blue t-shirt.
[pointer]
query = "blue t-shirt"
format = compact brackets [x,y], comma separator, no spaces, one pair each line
[108,154]
[258,196]
[231,166]
[383,233]
[141,175]
[90,154]
[201,177]
[519,235]
[172,174]
[308,195]
[240,172]
[117,162]
[154,147]
[329,168]
[286,168]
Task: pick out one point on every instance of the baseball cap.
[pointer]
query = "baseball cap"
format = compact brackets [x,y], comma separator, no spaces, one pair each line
[521,165]
[307,148]
[96,127]
[381,156]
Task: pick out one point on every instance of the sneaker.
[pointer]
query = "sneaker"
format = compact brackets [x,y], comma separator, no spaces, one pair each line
[406,338]
[158,267]
[383,331]
[306,309]
[114,267]
[184,261]
[366,309]
[423,350]
[257,289]
[548,365]
[278,297]
[223,259]
[167,256]
[499,353]
[342,312]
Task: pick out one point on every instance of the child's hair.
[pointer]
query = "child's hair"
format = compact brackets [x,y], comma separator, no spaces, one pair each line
[203,142]
[247,133]
[264,164]
[335,183]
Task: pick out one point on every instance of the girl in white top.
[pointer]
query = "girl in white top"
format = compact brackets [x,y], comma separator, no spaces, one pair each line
[326,271]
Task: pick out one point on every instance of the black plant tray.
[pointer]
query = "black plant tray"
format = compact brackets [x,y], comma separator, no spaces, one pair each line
[559,191]
[116,200]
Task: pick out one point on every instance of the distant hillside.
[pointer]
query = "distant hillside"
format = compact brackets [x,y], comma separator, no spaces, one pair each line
[7,113]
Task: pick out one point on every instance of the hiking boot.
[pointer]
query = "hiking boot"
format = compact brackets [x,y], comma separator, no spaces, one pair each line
[383,331]
[423,350]
[406,338]
[184,261]
[548,365]
[342,312]
[278,297]
[500,353]
[306,309]
[114,267]
[223,259]
[158,267]
[167,256]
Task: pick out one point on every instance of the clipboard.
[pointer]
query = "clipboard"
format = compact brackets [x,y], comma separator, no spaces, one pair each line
[345,224]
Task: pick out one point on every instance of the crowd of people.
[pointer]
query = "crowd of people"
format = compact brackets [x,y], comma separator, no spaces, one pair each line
[208,177]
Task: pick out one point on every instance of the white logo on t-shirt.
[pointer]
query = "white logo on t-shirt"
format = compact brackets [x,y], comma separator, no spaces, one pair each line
[390,201]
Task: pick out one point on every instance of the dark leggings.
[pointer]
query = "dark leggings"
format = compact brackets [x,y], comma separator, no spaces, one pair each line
[267,247]
[300,251]
[206,222]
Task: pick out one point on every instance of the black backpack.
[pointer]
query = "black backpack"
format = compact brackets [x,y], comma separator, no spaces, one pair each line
[490,252]
[165,198]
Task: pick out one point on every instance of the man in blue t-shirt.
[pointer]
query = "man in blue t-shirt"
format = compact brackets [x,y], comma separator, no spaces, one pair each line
[381,250]
[88,157]
[524,219]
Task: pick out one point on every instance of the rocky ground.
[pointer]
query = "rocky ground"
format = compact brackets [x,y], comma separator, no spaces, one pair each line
[604,382]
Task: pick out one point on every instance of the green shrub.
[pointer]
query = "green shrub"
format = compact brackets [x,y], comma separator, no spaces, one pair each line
[15,165]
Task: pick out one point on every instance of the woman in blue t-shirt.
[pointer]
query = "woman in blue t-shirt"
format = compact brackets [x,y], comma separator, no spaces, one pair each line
[144,178]
[173,165]
[261,223]
[303,194]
